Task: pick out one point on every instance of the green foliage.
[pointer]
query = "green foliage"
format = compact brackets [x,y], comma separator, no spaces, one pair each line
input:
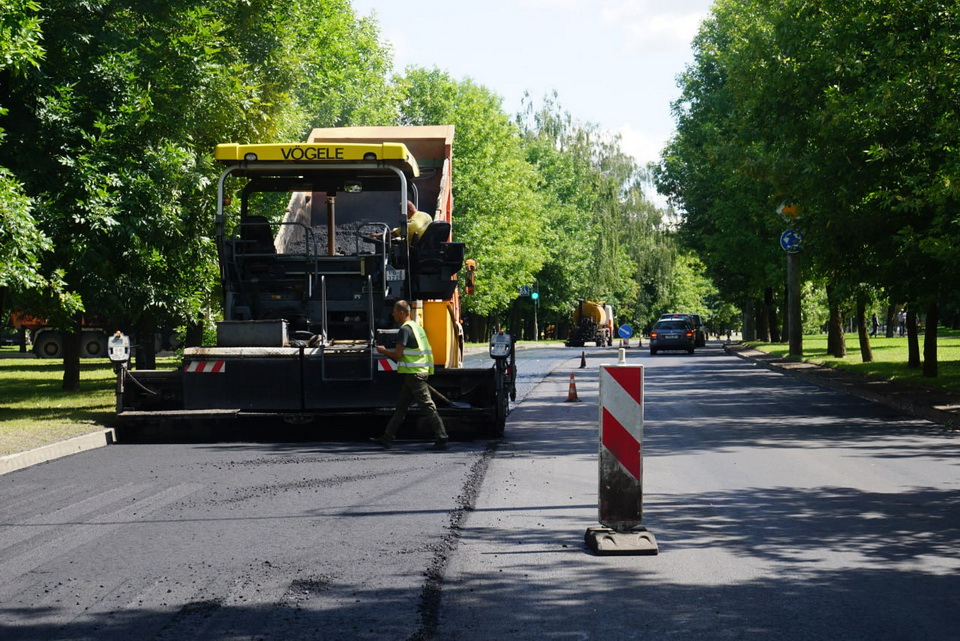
[499,214]
[604,239]
[690,290]
[112,130]
[847,109]
[21,241]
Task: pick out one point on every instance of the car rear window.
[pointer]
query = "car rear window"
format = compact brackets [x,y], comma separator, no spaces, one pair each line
[671,324]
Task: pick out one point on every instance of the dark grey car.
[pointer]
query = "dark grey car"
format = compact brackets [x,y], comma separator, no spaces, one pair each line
[672,334]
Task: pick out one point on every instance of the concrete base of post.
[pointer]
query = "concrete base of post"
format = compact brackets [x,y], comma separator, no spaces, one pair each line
[605,541]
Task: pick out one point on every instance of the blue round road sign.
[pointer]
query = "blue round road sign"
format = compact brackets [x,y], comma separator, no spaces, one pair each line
[625,331]
[790,241]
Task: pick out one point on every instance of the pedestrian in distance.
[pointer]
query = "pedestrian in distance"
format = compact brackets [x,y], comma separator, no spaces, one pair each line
[414,358]
[874,324]
[902,322]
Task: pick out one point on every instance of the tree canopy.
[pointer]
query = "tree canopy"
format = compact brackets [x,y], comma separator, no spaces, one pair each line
[848,111]
[111,110]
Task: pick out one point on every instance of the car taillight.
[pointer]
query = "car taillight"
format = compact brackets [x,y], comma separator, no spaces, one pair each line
[653,334]
[689,334]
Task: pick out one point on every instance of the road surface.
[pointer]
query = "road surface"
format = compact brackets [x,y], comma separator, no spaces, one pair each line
[782,510]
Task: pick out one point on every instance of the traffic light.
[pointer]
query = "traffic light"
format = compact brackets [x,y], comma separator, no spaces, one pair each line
[535,294]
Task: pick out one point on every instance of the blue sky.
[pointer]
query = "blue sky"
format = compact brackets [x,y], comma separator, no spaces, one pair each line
[612,62]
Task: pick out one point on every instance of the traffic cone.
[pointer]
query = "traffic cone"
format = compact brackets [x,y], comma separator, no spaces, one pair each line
[583,360]
[572,393]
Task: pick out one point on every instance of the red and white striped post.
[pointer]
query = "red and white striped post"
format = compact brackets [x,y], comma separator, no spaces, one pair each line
[621,465]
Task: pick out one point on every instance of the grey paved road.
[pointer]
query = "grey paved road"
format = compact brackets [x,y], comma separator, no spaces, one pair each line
[782,510]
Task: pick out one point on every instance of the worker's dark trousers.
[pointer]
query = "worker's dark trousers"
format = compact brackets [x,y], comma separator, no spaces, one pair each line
[415,389]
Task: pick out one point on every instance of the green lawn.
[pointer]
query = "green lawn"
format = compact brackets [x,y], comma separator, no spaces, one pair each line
[889,358]
[34,411]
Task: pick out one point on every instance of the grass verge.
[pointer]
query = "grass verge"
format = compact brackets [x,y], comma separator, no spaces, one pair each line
[34,411]
[889,358]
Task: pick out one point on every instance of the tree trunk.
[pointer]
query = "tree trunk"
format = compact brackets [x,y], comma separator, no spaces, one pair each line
[785,332]
[763,321]
[891,320]
[913,344]
[515,318]
[836,345]
[71,355]
[749,330]
[772,315]
[866,354]
[146,343]
[194,336]
[930,340]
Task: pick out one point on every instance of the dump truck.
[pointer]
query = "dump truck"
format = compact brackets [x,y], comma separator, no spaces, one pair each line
[314,253]
[592,323]
[47,340]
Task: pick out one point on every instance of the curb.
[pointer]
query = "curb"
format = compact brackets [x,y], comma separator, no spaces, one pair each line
[935,406]
[75,445]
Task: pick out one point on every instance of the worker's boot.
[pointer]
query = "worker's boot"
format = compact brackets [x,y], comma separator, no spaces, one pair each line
[383,441]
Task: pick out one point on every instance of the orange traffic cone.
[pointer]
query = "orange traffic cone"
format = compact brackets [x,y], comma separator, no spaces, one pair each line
[572,394]
[583,360]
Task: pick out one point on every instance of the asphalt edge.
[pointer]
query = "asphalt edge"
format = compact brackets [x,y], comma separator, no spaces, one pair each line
[934,406]
[75,445]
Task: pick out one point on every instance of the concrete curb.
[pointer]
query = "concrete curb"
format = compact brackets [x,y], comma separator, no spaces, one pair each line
[20,460]
[933,405]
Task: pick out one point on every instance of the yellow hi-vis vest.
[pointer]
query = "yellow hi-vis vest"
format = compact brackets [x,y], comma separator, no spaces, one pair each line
[417,361]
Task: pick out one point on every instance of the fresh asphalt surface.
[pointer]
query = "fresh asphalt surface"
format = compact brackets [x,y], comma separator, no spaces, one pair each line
[783,510]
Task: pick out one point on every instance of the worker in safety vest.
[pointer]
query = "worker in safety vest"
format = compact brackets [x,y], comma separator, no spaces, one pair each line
[415,364]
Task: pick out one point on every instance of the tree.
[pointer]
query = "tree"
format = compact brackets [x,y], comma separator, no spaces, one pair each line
[847,109]
[609,244]
[112,134]
[21,241]
[712,171]
[499,215]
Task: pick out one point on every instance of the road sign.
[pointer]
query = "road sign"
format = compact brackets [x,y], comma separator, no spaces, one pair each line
[790,241]
[789,211]
[625,331]
[523,290]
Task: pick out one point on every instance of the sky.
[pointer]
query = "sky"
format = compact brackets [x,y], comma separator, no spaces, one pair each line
[613,63]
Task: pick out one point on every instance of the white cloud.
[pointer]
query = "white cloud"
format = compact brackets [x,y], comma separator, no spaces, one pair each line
[666,28]
[640,144]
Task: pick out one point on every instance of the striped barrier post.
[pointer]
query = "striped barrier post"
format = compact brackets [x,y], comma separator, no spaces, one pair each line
[621,465]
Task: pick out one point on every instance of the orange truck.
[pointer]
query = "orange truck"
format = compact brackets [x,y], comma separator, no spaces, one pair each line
[48,342]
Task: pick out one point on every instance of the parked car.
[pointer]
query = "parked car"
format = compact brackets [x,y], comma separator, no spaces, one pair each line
[700,333]
[673,333]
[9,336]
